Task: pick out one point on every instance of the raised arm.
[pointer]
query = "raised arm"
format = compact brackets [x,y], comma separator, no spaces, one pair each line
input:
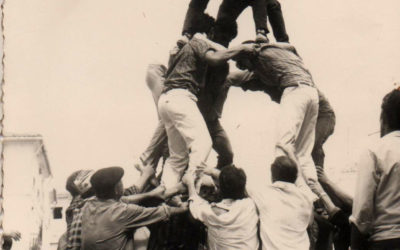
[339,198]
[212,44]
[214,173]
[220,56]
[157,192]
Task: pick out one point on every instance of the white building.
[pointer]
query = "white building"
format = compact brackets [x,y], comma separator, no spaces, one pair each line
[29,196]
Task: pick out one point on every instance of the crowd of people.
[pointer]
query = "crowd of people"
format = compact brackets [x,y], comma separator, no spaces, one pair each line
[190,205]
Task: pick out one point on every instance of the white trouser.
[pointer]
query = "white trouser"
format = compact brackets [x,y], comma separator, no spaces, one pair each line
[155,80]
[296,126]
[188,136]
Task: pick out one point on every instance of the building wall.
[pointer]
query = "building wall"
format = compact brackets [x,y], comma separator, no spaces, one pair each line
[26,193]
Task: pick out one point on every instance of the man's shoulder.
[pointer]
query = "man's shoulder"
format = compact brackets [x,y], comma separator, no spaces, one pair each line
[280,48]
[197,41]
[199,45]
[388,143]
[109,203]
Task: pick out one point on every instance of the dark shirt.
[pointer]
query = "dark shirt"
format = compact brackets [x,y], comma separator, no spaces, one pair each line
[188,68]
[250,81]
[110,224]
[279,65]
[211,104]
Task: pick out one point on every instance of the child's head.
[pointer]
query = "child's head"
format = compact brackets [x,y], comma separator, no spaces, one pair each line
[390,112]
[232,183]
[284,169]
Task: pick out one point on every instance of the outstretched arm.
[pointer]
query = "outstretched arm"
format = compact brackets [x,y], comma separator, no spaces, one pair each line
[218,57]
[328,204]
[136,198]
[339,198]
[212,44]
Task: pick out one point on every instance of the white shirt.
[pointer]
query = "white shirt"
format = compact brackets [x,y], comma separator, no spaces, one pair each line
[232,224]
[285,212]
[376,206]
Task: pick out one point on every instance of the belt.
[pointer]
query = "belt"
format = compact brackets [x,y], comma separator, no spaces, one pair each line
[166,89]
[304,83]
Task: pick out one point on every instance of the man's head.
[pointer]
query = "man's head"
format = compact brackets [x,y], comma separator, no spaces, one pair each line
[70,185]
[284,169]
[245,60]
[78,183]
[107,183]
[232,183]
[390,112]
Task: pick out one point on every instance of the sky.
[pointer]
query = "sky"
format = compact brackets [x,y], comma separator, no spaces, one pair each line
[75,70]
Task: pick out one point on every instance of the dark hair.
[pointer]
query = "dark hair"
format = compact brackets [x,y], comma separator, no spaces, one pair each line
[284,169]
[232,183]
[202,24]
[246,60]
[391,109]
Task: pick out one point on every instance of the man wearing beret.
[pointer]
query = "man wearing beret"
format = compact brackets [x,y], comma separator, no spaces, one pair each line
[107,222]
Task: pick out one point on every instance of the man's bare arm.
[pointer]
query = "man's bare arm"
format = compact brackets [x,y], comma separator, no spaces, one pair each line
[210,43]
[217,57]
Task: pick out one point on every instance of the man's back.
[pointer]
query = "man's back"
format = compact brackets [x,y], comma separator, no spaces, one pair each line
[280,65]
[377,200]
[284,212]
[110,224]
[232,224]
[187,68]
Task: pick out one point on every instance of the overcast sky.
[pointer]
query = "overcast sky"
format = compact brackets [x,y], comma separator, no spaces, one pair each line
[75,70]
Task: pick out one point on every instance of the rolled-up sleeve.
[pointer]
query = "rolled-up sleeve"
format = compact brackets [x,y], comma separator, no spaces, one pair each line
[367,181]
[200,48]
[200,209]
[137,216]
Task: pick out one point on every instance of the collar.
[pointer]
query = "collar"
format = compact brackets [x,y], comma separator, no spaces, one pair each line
[224,204]
[395,133]
[283,184]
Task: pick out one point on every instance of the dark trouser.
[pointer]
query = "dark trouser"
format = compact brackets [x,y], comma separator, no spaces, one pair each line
[194,12]
[180,232]
[221,143]
[324,128]
[392,244]
[276,20]
[228,12]
[325,236]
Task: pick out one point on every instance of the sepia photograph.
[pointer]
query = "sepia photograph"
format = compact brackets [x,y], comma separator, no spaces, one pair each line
[200,125]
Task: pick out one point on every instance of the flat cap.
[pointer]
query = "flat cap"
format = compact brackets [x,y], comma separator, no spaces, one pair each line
[105,179]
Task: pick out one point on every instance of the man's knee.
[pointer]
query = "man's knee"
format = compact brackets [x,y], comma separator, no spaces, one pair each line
[155,75]
[273,5]
[198,4]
